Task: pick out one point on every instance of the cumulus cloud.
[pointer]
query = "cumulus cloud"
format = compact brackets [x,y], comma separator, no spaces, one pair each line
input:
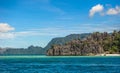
[113,11]
[5,27]
[100,9]
[96,9]
[4,31]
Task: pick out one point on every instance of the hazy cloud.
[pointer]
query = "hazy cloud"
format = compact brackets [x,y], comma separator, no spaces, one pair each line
[96,9]
[57,31]
[62,31]
[7,35]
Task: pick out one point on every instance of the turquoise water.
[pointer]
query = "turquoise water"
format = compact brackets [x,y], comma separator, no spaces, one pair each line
[60,64]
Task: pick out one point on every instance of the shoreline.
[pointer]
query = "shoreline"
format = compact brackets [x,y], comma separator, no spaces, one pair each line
[65,55]
[44,56]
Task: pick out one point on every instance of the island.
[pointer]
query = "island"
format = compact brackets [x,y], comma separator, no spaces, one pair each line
[101,44]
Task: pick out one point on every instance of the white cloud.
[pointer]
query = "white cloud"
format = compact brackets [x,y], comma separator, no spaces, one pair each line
[4,31]
[5,27]
[100,9]
[96,9]
[113,11]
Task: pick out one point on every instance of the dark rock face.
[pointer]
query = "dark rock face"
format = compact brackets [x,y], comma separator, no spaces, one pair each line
[94,44]
[75,47]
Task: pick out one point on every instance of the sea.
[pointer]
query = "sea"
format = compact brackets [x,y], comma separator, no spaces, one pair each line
[59,64]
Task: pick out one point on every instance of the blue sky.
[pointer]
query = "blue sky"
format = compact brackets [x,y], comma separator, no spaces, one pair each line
[36,22]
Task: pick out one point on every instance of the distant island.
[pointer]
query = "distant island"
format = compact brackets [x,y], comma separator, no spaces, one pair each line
[31,50]
[86,44]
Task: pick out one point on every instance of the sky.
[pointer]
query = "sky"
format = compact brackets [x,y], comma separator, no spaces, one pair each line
[36,22]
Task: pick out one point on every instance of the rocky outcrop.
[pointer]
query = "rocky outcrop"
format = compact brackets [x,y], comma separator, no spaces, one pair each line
[76,47]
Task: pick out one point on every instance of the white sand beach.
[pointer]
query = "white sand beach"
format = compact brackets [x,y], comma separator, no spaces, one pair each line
[107,55]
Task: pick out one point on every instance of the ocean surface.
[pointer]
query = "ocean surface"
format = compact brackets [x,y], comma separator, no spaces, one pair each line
[60,64]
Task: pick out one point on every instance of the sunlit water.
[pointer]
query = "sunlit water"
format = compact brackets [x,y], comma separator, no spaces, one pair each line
[61,64]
